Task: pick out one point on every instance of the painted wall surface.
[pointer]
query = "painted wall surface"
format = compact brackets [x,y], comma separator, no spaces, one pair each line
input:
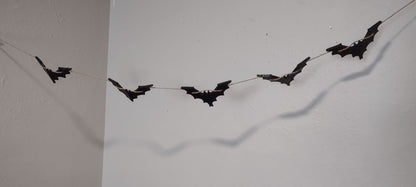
[343,122]
[52,134]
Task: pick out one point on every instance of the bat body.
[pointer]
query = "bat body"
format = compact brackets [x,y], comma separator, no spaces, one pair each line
[61,72]
[131,94]
[358,48]
[285,79]
[208,96]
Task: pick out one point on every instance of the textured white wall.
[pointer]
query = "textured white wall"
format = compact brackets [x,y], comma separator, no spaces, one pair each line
[52,134]
[344,122]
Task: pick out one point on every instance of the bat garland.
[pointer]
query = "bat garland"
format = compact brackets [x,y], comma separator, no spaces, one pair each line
[285,79]
[357,48]
[208,96]
[131,94]
[61,72]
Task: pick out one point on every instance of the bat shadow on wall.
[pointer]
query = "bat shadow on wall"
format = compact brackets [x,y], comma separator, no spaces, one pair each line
[77,120]
[250,132]
[162,151]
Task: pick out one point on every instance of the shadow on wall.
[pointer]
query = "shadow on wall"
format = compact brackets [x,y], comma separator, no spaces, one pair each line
[162,151]
[77,120]
[247,134]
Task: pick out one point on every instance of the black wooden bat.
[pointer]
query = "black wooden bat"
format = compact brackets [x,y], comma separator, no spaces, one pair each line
[208,96]
[357,48]
[131,94]
[285,79]
[61,72]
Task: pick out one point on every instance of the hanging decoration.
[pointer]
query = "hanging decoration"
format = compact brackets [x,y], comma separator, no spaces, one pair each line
[357,48]
[285,79]
[61,72]
[131,94]
[208,96]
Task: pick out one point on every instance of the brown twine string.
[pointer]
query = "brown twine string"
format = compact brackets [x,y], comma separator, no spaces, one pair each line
[231,84]
[164,88]
[243,81]
[318,56]
[122,89]
[399,10]
[89,75]
[19,49]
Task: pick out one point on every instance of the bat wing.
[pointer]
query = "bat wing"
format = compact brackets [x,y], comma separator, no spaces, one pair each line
[126,92]
[141,90]
[192,91]
[358,48]
[268,77]
[51,75]
[336,50]
[362,45]
[300,66]
[287,79]
[40,62]
[221,87]
[115,83]
[372,31]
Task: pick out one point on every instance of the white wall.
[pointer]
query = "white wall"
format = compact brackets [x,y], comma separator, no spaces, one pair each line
[52,134]
[344,122]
